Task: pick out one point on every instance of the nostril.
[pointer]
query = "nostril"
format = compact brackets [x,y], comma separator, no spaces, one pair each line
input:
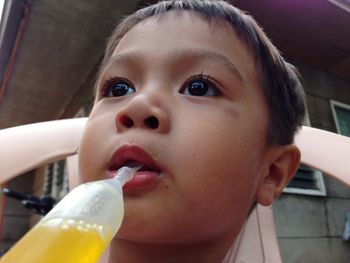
[126,121]
[152,122]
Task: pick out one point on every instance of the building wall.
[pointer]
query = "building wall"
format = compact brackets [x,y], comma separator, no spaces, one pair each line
[16,218]
[310,228]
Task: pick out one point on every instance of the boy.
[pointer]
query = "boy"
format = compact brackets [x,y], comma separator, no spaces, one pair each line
[195,92]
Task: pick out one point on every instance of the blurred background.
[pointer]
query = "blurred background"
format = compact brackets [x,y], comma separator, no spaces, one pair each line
[49,55]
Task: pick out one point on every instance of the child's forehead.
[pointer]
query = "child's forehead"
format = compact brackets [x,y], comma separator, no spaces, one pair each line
[189,33]
[189,16]
[178,23]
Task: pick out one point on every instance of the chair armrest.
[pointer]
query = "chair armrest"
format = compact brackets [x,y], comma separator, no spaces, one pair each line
[26,147]
[325,151]
[257,241]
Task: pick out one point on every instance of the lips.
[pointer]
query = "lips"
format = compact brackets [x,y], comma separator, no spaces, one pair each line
[133,155]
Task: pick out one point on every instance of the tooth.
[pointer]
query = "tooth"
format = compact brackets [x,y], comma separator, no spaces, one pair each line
[133,163]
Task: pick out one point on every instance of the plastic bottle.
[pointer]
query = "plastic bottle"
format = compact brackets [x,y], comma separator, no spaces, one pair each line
[79,228]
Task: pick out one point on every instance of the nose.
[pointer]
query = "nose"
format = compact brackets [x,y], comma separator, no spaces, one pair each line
[145,113]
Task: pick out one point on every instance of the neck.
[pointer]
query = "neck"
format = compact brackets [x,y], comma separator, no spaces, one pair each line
[127,251]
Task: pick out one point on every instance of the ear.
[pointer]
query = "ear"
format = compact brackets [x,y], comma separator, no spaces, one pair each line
[281,164]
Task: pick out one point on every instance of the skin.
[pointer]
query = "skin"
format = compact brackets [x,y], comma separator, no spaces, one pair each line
[211,149]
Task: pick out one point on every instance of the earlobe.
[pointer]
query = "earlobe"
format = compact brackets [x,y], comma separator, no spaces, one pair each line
[281,166]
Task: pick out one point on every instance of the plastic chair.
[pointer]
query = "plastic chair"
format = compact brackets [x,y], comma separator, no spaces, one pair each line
[25,147]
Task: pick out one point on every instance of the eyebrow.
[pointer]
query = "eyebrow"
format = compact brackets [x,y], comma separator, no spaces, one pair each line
[124,58]
[208,55]
[179,54]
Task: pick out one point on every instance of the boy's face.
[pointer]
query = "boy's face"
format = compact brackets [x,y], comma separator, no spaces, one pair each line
[181,95]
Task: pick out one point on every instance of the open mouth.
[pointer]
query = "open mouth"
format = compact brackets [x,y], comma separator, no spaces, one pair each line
[133,156]
[146,178]
[143,166]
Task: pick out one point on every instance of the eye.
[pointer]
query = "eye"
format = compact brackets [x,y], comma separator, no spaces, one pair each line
[117,88]
[200,85]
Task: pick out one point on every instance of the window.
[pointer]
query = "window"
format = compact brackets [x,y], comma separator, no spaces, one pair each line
[341,114]
[56,180]
[307,180]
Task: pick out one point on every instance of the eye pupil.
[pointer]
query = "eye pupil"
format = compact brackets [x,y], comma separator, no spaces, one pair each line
[116,87]
[198,88]
[119,89]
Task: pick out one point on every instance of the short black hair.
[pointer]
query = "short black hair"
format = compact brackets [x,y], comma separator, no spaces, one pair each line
[283,91]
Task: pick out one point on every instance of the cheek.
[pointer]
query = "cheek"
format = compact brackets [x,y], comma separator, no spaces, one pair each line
[217,168]
[219,139]
[92,153]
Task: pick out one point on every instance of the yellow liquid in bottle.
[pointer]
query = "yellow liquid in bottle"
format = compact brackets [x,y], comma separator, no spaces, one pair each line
[60,241]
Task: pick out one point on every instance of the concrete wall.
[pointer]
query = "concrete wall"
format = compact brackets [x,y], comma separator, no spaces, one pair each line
[310,228]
